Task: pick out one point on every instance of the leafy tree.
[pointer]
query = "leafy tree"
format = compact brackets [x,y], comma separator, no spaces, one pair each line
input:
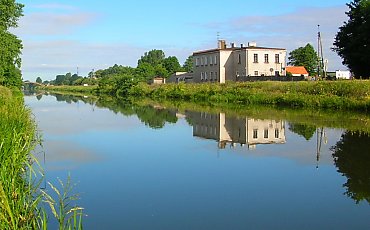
[153,57]
[39,80]
[145,71]
[10,12]
[160,71]
[171,64]
[59,79]
[352,42]
[306,131]
[10,45]
[188,65]
[352,158]
[304,56]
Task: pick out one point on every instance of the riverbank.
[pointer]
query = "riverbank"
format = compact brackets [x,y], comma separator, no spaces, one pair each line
[18,206]
[334,95]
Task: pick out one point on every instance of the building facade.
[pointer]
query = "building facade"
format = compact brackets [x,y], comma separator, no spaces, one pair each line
[232,64]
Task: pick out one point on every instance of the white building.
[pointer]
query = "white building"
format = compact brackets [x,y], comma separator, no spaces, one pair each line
[230,64]
[339,74]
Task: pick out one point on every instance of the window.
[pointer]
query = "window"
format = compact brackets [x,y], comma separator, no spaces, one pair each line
[216,76]
[215,60]
[276,133]
[211,60]
[201,61]
[266,58]
[201,76]
[197,61]
[255,73]
[255,133]
[237,73]
[266,134]
[255,58]
[239,58]
[277,73]
[205,76]
[277,58]
[211,76]
[205,60]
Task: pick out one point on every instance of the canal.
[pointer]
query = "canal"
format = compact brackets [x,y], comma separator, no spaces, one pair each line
[154,167]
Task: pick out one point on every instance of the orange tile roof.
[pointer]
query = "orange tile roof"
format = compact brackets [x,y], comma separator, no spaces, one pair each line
[296,70]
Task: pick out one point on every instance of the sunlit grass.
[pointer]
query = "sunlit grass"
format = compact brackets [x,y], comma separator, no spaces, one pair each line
[20,195]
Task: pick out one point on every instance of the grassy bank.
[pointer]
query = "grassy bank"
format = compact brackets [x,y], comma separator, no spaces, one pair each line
[20,195]
[334,95]
[70,89]
[18,207]
[344,95]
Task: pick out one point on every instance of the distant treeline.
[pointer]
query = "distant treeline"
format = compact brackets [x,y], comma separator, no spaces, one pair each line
[152,64]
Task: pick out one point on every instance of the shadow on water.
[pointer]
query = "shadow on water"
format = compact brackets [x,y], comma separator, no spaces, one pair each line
[255,125]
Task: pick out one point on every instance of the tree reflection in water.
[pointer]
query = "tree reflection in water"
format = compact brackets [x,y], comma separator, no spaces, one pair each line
[352,158]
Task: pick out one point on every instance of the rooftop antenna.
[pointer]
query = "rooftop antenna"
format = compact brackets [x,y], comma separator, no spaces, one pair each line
[218,36]
[320,55]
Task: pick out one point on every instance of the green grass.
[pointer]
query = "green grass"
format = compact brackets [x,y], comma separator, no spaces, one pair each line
[336,95]
[20,196]
[18,207]
[71,89]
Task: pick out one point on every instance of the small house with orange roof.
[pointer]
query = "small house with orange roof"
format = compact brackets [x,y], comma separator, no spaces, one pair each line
[297,71]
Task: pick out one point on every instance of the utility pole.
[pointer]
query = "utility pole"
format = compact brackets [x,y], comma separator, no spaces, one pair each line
[320,55]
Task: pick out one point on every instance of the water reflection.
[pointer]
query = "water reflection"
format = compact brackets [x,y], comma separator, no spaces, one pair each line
[351,154]
[229,130]
[352,158]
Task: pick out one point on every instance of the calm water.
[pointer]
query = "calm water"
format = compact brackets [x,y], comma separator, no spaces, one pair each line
[151,168]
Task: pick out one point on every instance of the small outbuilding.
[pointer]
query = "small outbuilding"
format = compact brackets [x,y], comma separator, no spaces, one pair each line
[297,71]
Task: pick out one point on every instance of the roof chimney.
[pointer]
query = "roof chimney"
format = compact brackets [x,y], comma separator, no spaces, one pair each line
[242,45]
[252,44]
[232,45]
[221,44]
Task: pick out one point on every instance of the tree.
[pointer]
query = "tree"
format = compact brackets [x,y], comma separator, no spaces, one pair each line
[304,56]
[10,45]
[171,64]
[10,14]
[153,57]
[39,80]
[188,65]
[352,42]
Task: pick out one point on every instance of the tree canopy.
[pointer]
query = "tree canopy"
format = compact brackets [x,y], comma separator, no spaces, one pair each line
[352,42]
[304,56]
[188,65]
[10,45]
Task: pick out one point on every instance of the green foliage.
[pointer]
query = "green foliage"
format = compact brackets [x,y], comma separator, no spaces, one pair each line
[172,65]
[18,206]
[304,56]
[352,41]
[61,208]
[189,64]
[39,80]
[10,45]
[153,58]
[352,158]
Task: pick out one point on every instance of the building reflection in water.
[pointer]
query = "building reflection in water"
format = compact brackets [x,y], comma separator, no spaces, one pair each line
[227,130]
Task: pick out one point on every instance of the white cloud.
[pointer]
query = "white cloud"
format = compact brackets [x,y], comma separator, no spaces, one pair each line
[288,31]
[48,23]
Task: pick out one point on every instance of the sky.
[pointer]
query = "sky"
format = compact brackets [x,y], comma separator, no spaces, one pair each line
[61,36]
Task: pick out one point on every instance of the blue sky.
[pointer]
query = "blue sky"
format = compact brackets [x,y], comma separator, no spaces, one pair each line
[61,35]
